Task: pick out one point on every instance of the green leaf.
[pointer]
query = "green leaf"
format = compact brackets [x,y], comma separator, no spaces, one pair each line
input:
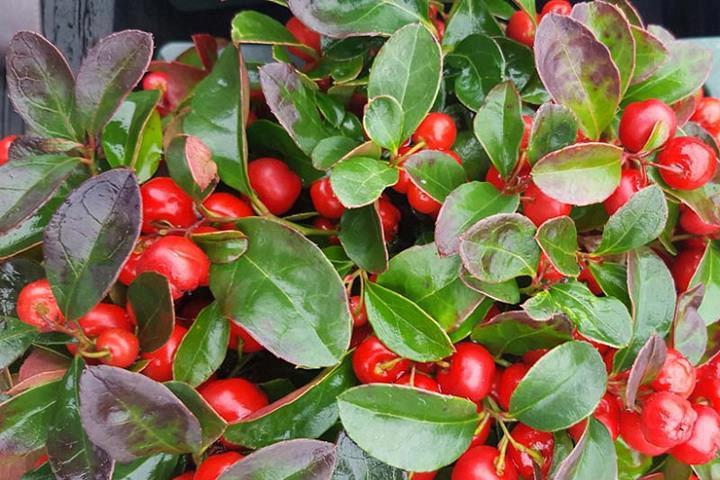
[40,85]
[329,151]
[561,389]
[612,278]
[499,127]
[646,366]
[528,6]
[24,419]
[708,273]
[71,454]
[650,54]
[108,73]
[300,459]
[519,62]
[212,425]
[339,259]
[631,464]
[286,293]
[403,327]
[708,471]
[554,127]
[705,201]
[412,421]
[558,239]
[469,17]
[218,116]
[353,463]
[27,184]
[580,174]
[593,458]
[500,248]
[203,347]
[515,333]
[89,238]
[480,65]
[15,273]
[151,300]
[474,159]
[383,122]
[131,416]
[432,282]
[190,164]
[465,206]
[308,412]
[15,338]
[361,235]
[250,26]
[409,69]
[578,72]
[224,246]
[339,19]
[359,181]
[505,292]
[652,292]
[160,466]
[636,223]
[690,335]
[435,173]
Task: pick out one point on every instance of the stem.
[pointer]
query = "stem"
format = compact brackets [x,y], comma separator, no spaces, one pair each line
[101,354]
[400,159]
[537,458]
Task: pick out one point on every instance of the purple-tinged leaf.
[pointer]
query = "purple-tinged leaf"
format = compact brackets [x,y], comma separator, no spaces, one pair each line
[27,146]
[89,238]
[213,426]
[301,459]
[109,72]
[593,457]
[206,47]
[630,12]
[578,72]
[150,299]
[689,331]
[131,416]
[705,201]
[40,85]
[435,173]
[184,79]
[646,366]
[191,165]
[354,463]
[515,333]
[650,54]
[24,419]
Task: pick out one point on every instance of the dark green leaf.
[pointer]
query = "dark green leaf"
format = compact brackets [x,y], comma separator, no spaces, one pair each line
[339,259]
[474,159]
[190,164]
[308,412]
[203,347]
[403,327]
[593,458]
[362,238]
[631,464]
[612,278]
[250,26]
[131,416]
[499,127]
[645,367]
[353,463]
[224,246]
[650,54]
[540,306]
[708,273]
[160,467]
[409,69]
[212,425]
[359,181]
[505,292]
[463,330]
[412,421]
[562,448]
[515,333]
[500,248]
[689,332]
[383,122]
[108,73]
[435,173]
[705,201]
[519,61]
[24,419]
[286,293]
[341,70]
[329,151]
[469,17]
[14,275]
[480,65]
[15,338]
[708,471]
[89,238]
[554,128]
[152,303]
[561,389]
[528,6]
[558,239]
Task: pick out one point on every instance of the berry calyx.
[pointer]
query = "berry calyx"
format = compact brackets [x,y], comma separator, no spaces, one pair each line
[233,398]
[165,204]
[687,163]
[122,347]
[521,28]
[470,372]
[373,362]
[36,306]
[304,35]
[479,463]
[105,316]
[421,201]
[160,361]
[704,442]
[276,185]
[667,419]
[437,130]
[5,144]
[540,208]
[693,224]
[631,182]
[640,119]
[677,375]
[324,199]
[214,465]
[509,381]
[541,442]
[227,205]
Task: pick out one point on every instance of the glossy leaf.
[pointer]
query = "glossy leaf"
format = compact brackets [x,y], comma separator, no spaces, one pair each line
[636,223]
[505,292]
[361,235]
[469,17]
[152,304]
[40,85]
[131,416]
[561,389]
[108,73]
[353,463]
[210,422]
[159,466]
[528,6]
[383,122]
[15,338]
[412,421]
[203,347]
[499,127]
[301,459]
[645,367]
[14,275]
[580,174]
[224,246]
[690,336]
[435,173]
[89,238]
[24,419]
[499,248]
[267,291]
[612,278]
[480,65]
[359,181]
[404,327]
[329,151]
[593,458]
[465,206]
[554,127]
[708,273]
[558,239]
[515,333]
[651,54]
[250,26]
[631,464]
[578,72]
[190,164]
[409,69]
[307,412]
[268,138]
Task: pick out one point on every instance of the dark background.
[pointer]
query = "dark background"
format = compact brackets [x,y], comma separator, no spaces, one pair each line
[75,25]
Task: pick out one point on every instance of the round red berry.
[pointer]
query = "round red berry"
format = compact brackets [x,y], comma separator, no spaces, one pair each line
[631,182]
[227,205]
[233,398]
[631,432]
[373,362]
[540,208]
[542,442]
[509,381]
[160,361]
[687,163]
[437,130]
[36,306]
[358,311]
[421,201]
[423,476]
[704,442]
[559,7]
[693,224]
[667,419]
[684,267]
[214,465]
[521,28]
[304,35]
[478,463]
[420,381]
[389,217]
[677,375]
[470,372]
[237,334]
[128,273]
[5,144]
[165,204]
[156,81]
[276,185]
[104,316]
[122,345]
[324,199]
[639,120]
[607,412]
[707,115]
[586,276]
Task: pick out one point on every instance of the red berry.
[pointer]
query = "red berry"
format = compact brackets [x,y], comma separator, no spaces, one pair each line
[421,201]
[214,465]
[547,271]
[521,28]
[164,202]
[542,442]
[373,362]
[227,205]
[403,183]
[693,224]
[454,155]
[607,412]
[440,27]
[389,217]
[478,463]
[104,316]
[160,361]
[437,130]
[122,345]
[183,263]
[588,279]
[470,373]
[687,163]
[156,81]
[677,375]
[684,267]
[707,387]
[639,119]
[531,357]
[5,144]
[704,442]
[600,347]
[129,269]
[418,380]
[667,419]
[707,115]
[358,310]
[631,432]
[423,476]
[324,199]
[237,333]
[305,36]
[559,7]
[509,381]
[233,398]
[540,208]
[631,181]
[36,306]
[275,184]
[494,178]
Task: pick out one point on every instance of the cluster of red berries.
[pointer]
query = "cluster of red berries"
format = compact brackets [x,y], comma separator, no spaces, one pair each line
[521,26]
